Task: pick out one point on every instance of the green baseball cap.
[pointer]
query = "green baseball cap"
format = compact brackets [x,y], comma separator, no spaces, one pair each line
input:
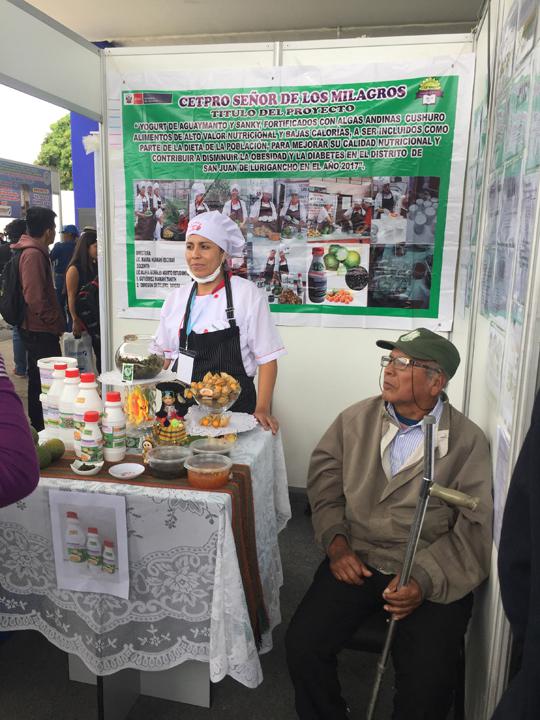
[423,344]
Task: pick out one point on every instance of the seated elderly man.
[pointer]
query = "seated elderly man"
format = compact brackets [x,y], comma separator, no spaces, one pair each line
[363,485]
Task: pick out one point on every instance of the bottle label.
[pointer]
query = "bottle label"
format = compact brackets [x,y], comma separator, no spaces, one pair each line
[91,447]
[76,553]
[94,557]
[114,436]
[66,421]
[53,416]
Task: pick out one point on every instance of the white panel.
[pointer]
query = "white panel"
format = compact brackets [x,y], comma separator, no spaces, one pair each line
[42,58]
[326,369]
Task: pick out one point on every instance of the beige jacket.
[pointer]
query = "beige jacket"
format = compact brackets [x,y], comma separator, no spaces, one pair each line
[352,493]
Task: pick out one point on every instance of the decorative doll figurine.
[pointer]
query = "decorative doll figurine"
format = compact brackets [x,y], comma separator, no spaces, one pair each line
[147,445]
[171,403]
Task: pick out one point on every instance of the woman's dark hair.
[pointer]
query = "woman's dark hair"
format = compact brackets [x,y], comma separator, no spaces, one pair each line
[81,258]
[39,220]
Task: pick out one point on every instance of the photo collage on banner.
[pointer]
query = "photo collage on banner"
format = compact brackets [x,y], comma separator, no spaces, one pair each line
[341,193]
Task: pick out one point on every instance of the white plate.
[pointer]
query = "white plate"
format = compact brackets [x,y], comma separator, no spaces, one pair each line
[77,464]
[126,471]
[212,445]
[239,422]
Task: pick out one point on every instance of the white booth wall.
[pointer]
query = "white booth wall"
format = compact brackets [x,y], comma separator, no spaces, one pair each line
[325,369]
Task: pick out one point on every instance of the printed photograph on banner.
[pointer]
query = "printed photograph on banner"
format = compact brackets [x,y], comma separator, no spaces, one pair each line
[90,542]
[400,276]
[160,209]
[340,209]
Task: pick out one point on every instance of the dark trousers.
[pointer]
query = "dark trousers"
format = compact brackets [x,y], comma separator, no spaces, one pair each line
[425,650]
[38,345]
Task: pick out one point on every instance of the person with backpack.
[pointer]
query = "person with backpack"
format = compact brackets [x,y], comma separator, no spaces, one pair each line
[83,290]
[42,322]
[13,231]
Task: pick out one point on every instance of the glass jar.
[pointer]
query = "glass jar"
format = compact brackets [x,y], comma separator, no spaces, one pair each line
[135,351]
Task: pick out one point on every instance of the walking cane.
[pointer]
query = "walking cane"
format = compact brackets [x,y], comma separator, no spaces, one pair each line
[429,487]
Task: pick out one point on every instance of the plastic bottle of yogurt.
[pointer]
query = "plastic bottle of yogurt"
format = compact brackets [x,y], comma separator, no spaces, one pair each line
[93,548]
[114,428]
[75,538]
[87,399]
[108,564]
[65,405]
[51,413]
[91,438]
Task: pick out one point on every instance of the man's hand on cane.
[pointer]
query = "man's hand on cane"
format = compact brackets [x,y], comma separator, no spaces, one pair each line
[400,603]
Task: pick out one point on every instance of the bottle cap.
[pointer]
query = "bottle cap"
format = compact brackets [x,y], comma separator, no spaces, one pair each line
[72,373]
[317,251]
[71,514]
[60,366]
[108,543]
[88,378]
[113,396]
[91,416]
[92,530]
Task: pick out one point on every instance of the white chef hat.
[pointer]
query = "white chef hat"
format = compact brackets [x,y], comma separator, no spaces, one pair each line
[368,200]
[384,181]
[198,188]
[293,189]
[218,228]
[268,188]
[357,200]
[149,185]
[156,186]
[235,186]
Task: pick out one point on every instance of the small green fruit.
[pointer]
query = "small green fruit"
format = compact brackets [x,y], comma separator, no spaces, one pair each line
[44,456]
[56,447]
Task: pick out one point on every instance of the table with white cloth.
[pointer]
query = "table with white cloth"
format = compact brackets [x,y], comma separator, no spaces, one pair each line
[186,599]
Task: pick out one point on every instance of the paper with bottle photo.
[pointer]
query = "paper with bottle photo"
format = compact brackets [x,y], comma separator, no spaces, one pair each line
[90,561]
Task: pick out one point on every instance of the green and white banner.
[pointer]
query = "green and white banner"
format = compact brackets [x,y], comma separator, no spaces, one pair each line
[347,183]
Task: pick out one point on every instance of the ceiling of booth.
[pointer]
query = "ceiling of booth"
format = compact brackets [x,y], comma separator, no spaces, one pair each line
[151,22]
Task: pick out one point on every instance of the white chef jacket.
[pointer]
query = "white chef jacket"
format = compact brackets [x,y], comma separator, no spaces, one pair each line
[228,207]
[139,203]
[193,211]
[256,211]
[294,208]
[323,216]
[259,339]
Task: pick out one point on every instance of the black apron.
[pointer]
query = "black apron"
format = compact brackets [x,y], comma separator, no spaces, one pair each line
[292,217]
[219,351]
[388,203]
[357,219]
[237,215]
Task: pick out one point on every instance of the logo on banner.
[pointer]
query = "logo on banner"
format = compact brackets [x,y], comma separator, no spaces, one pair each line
[134,99]
[430,90]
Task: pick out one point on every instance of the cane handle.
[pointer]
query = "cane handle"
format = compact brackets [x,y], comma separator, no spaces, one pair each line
[454,497]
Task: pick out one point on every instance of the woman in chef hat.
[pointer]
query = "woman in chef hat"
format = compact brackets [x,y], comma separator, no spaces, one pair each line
[197,204]
[293,213]
[263,212]
[235,208]
[221,323]
[385,200]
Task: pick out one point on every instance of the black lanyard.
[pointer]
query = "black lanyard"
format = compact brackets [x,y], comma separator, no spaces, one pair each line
[229,310]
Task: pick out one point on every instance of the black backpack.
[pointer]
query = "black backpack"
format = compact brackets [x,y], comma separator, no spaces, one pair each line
[12,304]
[87,306]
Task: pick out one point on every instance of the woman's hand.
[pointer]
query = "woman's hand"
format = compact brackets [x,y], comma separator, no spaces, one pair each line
[266,420]
[78,327]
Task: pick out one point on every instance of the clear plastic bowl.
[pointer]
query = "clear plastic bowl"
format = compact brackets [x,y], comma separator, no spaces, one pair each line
[167,461]
[208,471]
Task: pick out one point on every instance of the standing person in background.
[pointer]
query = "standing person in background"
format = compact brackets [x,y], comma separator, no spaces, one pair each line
[44,321]
[519,576]
[385,200]
[81,271]
[60,255]
[197,204]
[19,467]
[13,231]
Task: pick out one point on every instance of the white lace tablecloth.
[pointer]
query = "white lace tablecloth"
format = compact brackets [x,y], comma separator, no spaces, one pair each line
[186,596]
